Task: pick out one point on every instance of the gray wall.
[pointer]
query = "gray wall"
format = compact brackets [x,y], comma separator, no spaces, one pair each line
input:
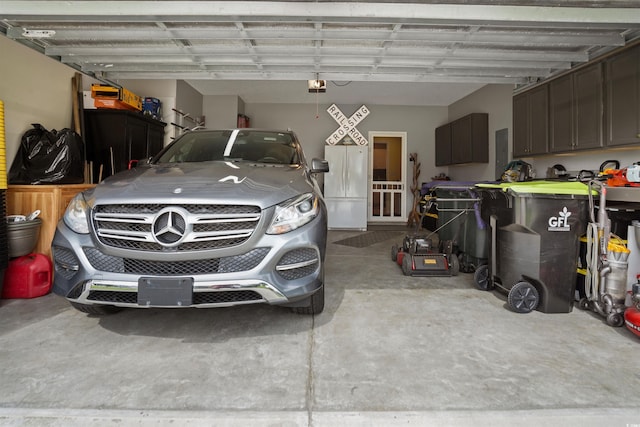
[189,101]
[34,89]
[221,111]
[313,129]
[313,125]
[496,101]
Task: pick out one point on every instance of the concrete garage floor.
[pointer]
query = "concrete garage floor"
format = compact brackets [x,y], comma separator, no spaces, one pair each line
[388,350]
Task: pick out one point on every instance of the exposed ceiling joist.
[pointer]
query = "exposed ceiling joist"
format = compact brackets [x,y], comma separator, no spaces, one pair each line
[477,42]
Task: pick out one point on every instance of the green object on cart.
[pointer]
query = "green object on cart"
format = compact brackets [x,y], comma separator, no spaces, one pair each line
[542,187]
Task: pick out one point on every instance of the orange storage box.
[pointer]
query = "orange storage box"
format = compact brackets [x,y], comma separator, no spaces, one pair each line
[28,276]
[112,104]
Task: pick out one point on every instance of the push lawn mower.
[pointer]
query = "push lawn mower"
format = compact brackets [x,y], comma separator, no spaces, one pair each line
[417,255]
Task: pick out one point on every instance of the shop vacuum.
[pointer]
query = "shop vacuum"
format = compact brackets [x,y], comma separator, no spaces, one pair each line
[607,265]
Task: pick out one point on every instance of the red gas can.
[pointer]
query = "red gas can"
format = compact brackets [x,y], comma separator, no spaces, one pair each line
[28,276]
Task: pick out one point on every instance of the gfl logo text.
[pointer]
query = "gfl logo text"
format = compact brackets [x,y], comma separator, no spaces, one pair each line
[560,222]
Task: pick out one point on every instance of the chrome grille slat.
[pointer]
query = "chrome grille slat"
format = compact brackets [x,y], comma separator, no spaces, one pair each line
[213,235]
[202,219]
[139,236]
[140,218]
[208,226]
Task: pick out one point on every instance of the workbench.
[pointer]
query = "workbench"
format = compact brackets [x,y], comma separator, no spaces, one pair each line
[51,200]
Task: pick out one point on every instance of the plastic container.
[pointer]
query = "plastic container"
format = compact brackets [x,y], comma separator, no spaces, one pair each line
[540,245]
[28,276]
[459,219]
[22,237]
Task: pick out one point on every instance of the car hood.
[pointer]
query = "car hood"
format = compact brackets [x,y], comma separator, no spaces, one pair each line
[223,182]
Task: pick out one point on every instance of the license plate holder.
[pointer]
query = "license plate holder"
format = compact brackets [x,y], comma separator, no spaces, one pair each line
[165,292]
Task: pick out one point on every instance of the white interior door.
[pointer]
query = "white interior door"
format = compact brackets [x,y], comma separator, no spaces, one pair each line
[387,177]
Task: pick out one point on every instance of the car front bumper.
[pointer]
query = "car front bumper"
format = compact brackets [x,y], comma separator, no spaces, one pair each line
[274,269]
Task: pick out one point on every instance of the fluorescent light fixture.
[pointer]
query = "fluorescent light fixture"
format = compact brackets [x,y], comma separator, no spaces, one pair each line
[38,34]
[317,86]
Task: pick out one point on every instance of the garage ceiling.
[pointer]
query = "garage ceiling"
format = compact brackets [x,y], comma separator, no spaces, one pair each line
[409,50]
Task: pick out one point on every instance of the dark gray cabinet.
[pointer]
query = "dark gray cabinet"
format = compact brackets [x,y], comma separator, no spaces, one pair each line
[575,110]
[595,106]
[531,122]
[115,137]
[623,98]
[443,145]
[465,140]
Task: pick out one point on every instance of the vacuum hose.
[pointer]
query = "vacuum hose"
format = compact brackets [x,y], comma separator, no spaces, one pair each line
[592,278]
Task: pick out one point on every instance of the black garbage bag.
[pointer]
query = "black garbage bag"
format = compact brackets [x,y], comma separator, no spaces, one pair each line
[48,157]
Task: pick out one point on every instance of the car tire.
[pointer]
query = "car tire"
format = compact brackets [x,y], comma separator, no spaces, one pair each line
[316,304]
[97,310]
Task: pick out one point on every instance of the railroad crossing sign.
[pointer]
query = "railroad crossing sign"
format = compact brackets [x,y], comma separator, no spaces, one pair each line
[347,125]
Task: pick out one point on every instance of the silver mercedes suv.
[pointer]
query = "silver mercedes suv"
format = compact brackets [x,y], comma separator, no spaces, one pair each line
[217,218]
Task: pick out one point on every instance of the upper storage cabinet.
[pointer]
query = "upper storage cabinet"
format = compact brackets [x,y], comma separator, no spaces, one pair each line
[531,122]
[622,74]
[115,137]
[443,145]
[575,110]
[595,106]
[465,140]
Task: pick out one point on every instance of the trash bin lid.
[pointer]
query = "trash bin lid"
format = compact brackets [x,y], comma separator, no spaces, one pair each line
[542,187]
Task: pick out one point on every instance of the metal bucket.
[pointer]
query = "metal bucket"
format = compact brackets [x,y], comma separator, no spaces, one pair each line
[22,237]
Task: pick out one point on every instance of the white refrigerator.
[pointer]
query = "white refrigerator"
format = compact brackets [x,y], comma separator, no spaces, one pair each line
[345,186]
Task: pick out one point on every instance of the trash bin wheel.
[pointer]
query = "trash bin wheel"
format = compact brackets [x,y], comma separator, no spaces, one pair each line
[407,262]
[454,265]
[394,253]
[523,297]
[481,278]
[615,319]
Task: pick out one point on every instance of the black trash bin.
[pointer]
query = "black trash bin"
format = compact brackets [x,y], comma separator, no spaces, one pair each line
[535,232]
[459,221]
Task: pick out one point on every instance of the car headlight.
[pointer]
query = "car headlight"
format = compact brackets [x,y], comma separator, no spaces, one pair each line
[294,213]
[76,215]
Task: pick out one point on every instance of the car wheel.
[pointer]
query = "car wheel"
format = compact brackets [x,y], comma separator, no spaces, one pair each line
[97,310]
[394,253]
[523,297]
[481,278]
[315,304]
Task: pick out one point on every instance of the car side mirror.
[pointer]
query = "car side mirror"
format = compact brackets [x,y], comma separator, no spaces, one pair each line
[135,163]
[319,166]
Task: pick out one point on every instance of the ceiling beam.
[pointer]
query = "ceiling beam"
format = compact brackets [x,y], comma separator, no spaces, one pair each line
[212,11]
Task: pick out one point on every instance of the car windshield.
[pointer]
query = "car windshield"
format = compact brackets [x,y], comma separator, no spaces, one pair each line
[239,145]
